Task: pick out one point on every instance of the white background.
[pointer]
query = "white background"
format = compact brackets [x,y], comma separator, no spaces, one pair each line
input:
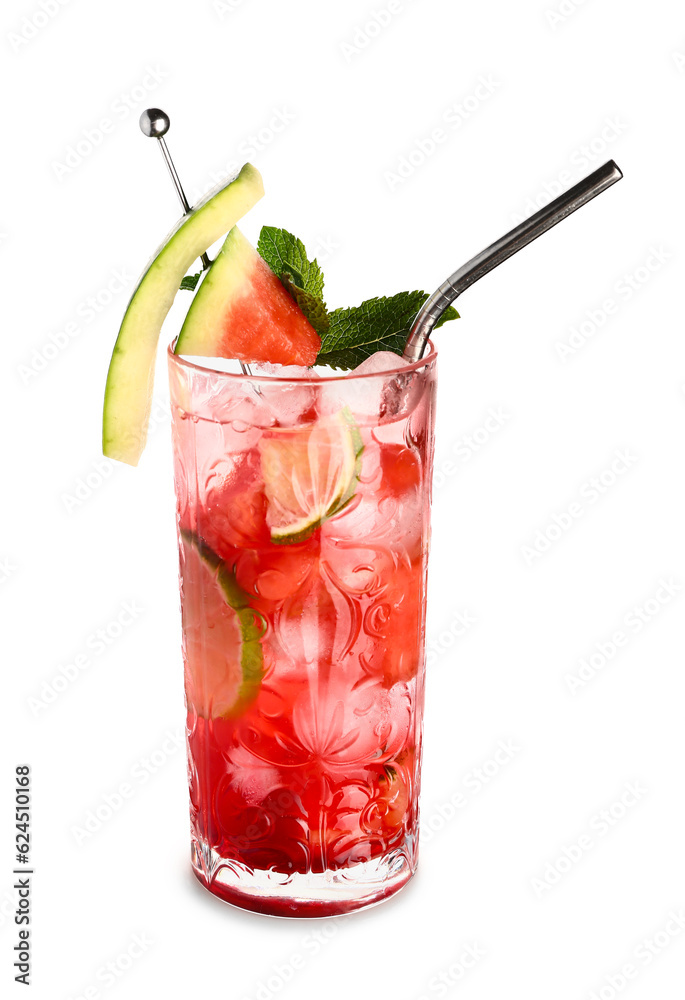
[571,84]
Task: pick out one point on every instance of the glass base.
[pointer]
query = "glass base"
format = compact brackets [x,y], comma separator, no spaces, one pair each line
[323,894]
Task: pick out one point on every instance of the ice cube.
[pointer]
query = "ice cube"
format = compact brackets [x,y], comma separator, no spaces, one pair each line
[289,402]
[381,361]
[370,399]
[397,395]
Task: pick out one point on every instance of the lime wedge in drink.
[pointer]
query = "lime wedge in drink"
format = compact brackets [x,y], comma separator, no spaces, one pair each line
[310,473]
[223,652]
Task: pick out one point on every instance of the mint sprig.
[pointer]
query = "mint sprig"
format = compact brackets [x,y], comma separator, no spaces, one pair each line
[348,336]
[380,324]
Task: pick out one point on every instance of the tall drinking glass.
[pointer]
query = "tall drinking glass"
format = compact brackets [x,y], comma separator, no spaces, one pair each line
[303,509]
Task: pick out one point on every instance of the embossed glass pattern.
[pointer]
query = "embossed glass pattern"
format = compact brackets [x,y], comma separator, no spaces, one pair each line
[303,654]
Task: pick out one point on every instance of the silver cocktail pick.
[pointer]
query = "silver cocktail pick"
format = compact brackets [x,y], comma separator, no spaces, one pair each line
[521,236]
[155,124]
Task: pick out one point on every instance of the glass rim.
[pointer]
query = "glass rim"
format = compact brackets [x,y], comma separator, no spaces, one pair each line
[183,362]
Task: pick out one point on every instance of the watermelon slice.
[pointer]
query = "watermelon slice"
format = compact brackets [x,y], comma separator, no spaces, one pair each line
[241,310]
[128,394]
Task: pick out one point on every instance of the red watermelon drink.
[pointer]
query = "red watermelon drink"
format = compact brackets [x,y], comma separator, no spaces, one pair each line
[303,531]
[303,497]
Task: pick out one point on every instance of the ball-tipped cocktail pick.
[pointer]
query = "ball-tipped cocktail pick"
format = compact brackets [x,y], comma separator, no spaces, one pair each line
[505,247]
[154,123]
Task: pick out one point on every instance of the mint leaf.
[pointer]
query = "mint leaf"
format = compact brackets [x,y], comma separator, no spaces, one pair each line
[380,324]
[283,252]
[189,283]
[348,336]
[302,278]
[312,306]
[293,276]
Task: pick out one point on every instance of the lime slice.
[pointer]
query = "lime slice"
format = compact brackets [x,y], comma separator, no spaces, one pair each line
[310,473]
[224,663]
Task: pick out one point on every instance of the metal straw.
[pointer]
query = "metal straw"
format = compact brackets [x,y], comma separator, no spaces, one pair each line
[154,123]
[505,247]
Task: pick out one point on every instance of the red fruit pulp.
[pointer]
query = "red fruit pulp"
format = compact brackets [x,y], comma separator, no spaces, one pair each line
[265,324]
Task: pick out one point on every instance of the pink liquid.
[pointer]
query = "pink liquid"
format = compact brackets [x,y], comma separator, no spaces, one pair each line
[313,768]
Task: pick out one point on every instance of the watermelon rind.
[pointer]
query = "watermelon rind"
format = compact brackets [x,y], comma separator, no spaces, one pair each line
[128,393]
